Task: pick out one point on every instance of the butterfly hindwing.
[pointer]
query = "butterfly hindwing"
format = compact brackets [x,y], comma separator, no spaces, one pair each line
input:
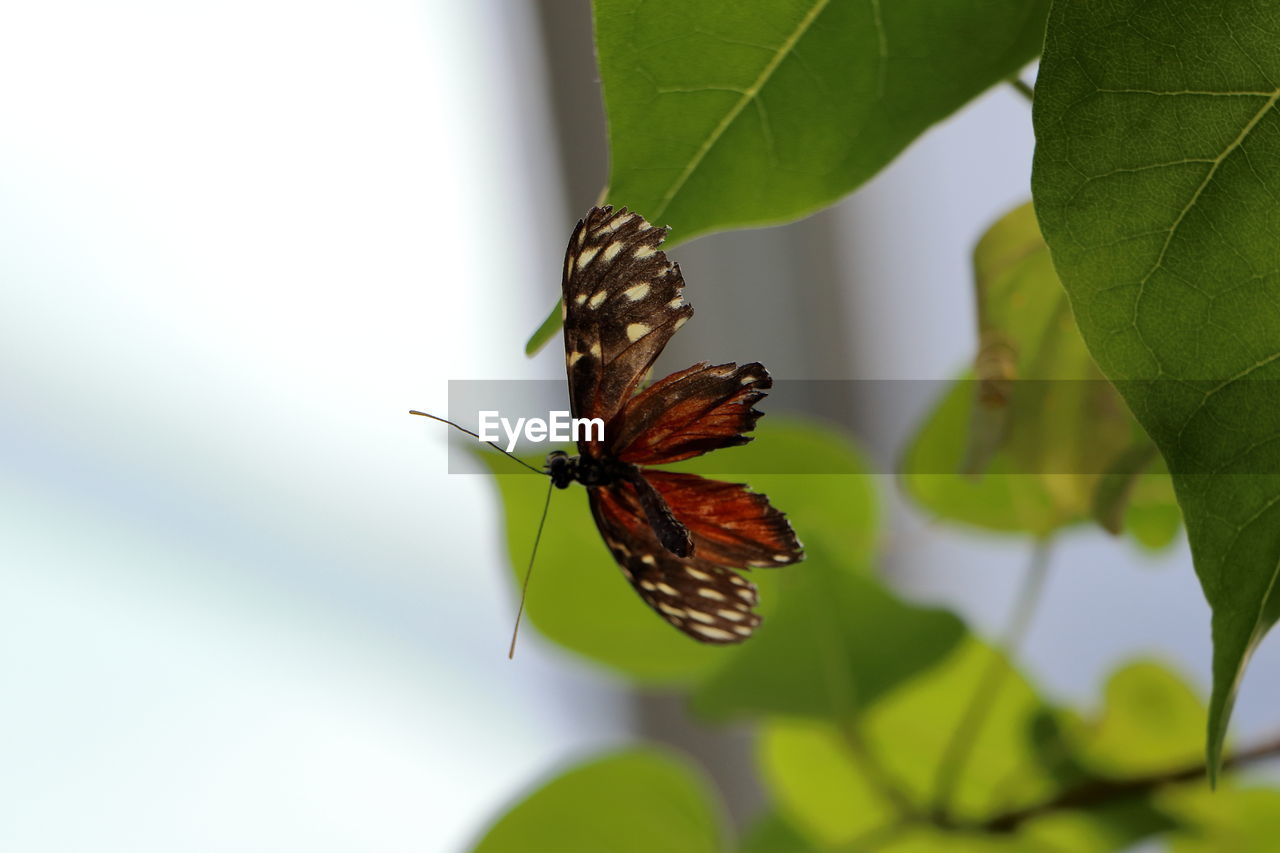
[729,524]
[708,602]
[622,302]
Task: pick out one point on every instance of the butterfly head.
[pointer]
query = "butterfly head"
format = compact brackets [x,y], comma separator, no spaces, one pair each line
[560,466]
[586,469]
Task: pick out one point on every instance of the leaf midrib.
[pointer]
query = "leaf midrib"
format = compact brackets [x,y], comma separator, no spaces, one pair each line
[729,117]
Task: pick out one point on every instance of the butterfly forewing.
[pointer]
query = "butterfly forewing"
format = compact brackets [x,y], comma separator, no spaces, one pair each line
[700,409]
[622,303]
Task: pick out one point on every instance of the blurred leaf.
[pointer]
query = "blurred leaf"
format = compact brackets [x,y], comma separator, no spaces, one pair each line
[822,653]
[772,834]
[816,786]
[1152,721]
[1152,516]
[724,114]
[1109,826]
[545,332]
[637,801]
[1002,499]
[579,599]
[835,782]
[1156,185]
[1115,487]
[1239,820]
[1039,423]
[914,727]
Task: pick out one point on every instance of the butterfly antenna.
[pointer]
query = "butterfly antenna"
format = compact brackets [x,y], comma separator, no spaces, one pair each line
[528,572]
[474,435]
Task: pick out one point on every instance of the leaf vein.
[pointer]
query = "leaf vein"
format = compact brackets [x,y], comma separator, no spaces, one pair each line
[747,95]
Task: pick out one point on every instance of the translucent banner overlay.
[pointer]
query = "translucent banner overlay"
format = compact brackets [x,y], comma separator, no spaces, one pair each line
[1005,427]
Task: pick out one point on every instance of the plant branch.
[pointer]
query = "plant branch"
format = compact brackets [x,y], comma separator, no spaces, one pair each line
[956,754]
[1096,792]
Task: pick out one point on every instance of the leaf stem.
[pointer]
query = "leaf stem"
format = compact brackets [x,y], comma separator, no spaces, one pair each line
[963,739]
[1023,89]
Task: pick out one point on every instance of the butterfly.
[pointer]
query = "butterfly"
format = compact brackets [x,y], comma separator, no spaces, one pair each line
[677,537]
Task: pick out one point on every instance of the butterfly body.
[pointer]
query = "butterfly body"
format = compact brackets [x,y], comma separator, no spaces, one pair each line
[678,538]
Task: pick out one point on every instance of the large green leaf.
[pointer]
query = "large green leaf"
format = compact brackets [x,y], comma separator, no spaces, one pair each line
[724,114]
[579,598]
[636,801]
[1156,180]
[1024,445]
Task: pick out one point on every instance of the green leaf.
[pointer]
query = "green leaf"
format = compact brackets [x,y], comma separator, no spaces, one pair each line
[1115,488]
[818,789]
[822,652]
[1039,424]
[838,782]
[724,114]
[545,332]
[636,801]
[772,834]
[1156,180]
[1152,721]
[1241,820]
[579,599]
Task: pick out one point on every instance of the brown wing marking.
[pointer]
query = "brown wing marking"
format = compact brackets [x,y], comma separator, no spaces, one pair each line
[710,603]
[622,303]
[699,409]
[730,524]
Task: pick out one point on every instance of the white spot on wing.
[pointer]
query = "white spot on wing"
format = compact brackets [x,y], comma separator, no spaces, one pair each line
[782,558]
[648,560]
[681,321]
[579,299]
[616,223]
[676,303]
[647,586]
[595,349]
[612,251]
[572,359]
[636,331]
[713,633]
[598,299]
[731,615]
[637,292]
[742,629]
[587,256]
[700,616]
[667,589]
[708,592]
[645,251]
[696,575]
[669,610]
